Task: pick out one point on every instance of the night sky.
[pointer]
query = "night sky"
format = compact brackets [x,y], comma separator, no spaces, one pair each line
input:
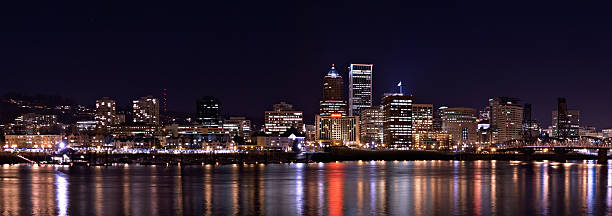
[253,54]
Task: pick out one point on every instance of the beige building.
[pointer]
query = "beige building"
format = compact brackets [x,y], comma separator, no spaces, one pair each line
[338,130]
[506,118]
[371,126]
[85,140]
[433,141]
[32,141]
[460,123]
[422,118]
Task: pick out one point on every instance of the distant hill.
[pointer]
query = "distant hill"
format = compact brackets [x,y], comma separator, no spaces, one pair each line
[13,105]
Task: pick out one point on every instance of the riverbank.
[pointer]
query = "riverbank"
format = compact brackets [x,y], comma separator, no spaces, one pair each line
[253,157]
[352,155]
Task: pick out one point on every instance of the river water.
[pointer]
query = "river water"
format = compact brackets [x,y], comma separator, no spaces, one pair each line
[342,188]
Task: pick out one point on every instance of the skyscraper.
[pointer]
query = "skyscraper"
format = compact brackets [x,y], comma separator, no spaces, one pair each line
[397,127]
[208,111]
[565,127]
[531,128]
[360,88]
[146,110]
[565,123]
[333,99]
[106,113]
[282,118]
[506,118]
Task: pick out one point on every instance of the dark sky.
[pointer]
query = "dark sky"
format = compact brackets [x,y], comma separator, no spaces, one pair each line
[253,54]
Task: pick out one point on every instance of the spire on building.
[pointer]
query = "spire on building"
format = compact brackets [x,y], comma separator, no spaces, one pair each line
[332,72]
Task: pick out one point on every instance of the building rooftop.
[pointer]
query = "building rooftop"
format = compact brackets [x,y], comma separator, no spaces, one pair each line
[332,72]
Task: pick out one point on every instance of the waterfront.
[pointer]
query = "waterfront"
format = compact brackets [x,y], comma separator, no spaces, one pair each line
[440,187]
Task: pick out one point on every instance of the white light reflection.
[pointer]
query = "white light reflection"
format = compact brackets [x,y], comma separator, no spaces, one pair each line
[544,191]
[591,187]
[299,188]
[456,188]
[609,186]
[61,193]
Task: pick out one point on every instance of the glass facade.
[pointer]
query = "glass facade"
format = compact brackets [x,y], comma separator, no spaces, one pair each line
[360,87]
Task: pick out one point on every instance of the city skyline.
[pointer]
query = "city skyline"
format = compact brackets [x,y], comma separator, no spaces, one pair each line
[127,106]
[305,108]
[451,54]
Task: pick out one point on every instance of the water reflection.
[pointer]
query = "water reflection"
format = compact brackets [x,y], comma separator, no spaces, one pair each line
[349,188]
[61,193]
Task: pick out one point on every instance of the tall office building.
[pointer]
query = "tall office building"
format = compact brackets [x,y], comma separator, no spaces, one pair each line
[282,118]
[397,127]
[565,122]
[208,112]
[506,118]
[531,128]
[360,88]
[371,127]
[460,123]
[565,127]
[146,109]
[422,118]
[333,99]
[106,113]
[338,130]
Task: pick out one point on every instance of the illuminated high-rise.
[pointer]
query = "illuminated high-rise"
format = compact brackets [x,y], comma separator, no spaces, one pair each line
[333,99]
[146,109]
[360,88]
[397,127]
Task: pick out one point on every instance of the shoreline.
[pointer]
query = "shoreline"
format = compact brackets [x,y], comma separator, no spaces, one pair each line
[272,157]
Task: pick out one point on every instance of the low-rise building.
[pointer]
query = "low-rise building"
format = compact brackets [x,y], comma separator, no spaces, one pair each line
[281,118]
[32,141]
[432,141]
[290,140]
[338,130]
[238,127]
